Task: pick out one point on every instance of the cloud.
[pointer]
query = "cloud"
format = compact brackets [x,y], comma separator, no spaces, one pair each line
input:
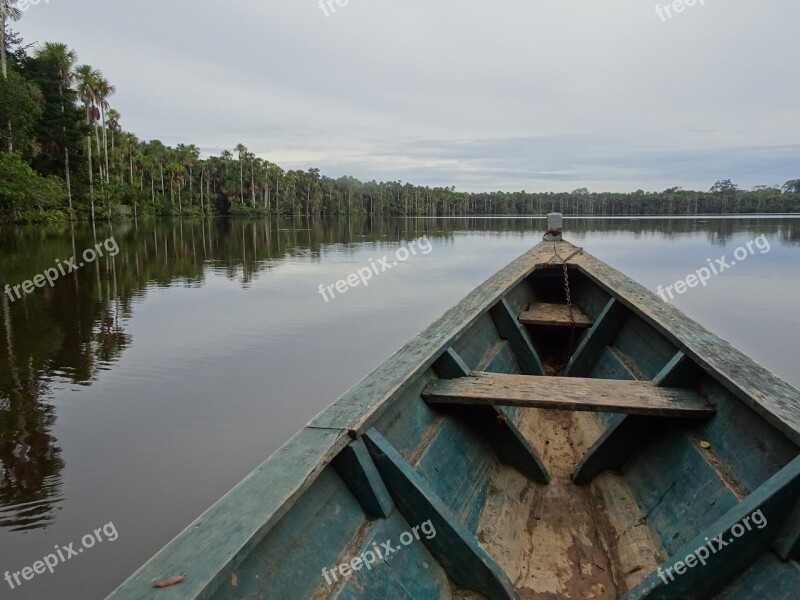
[510,95]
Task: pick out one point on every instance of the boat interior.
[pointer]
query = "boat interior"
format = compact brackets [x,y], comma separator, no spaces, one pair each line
[565,434]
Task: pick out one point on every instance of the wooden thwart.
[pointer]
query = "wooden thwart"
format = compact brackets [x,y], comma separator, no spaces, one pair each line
[554,315]
[511,446]
[569,393]
[454,546]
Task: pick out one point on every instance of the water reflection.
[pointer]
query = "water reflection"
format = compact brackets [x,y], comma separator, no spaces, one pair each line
[75,330]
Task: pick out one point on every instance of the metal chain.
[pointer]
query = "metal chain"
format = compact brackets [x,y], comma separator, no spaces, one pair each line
[571,347]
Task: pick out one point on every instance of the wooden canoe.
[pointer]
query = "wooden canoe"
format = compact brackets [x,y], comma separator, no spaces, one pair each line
[514,451]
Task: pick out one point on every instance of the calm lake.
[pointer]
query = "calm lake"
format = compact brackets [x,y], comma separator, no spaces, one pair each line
[142,386]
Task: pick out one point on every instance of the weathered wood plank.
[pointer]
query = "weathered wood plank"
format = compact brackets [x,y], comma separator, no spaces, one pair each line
[787,542]
[357,470]
[554,315]
[237,523]
[774,399]
[508,442]
[360,407]
[511,446]
[680,371]
[327,517]
[601,334]
[569,393]
[744,533]
[454,546]
[450,365]
[409,573]
[627,432]
[456,465]
[615,446]
[509,329]
[767,577]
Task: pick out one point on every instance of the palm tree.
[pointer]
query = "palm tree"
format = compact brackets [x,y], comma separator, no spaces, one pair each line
[241,149]
[65,59]
[87,78]
[188,156]
[104,90]
[8,12]
[113,124]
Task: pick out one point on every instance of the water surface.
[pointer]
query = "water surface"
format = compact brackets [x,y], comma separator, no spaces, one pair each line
[142,387]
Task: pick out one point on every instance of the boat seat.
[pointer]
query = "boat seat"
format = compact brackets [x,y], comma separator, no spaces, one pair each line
[554,315]
[569,393]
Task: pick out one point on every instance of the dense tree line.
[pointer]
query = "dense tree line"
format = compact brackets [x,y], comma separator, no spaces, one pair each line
[65,155]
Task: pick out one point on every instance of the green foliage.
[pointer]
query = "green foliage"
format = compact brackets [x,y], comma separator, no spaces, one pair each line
[20,102]
[27,196]
[60,126]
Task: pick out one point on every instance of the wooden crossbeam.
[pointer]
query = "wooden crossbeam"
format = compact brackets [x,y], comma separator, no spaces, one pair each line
[511,446]
[627,433]
[554,315]
[601,334]
[510,329]
[454,545]
[569,393]
[684,576]
[359,473]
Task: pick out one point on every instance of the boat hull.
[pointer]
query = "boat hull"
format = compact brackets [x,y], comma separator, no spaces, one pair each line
[488,499]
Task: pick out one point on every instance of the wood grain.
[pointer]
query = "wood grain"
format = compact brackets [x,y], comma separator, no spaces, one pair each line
[569,393]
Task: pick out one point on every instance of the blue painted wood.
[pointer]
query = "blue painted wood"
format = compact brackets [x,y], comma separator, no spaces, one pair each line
[590,297]
[739,546]
[676,487]
[680,371]
[498,427]
[236,524]
[647,350]
[477,341]
[627,433]
[742,438]
[457,465]
[503,361]
[773,399]
[453,546]
[510,329]
[289,562]
[520,296]
[409,571]
[767,577]
[409,423]
[610,366]
[450,365]
[787,542]
[623,437]
[511,446]
[600,335]
[355,467]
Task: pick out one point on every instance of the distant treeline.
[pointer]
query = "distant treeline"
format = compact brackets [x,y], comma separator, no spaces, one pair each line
[64,155]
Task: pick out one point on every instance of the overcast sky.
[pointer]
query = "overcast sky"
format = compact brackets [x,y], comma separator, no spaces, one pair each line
[510,94]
